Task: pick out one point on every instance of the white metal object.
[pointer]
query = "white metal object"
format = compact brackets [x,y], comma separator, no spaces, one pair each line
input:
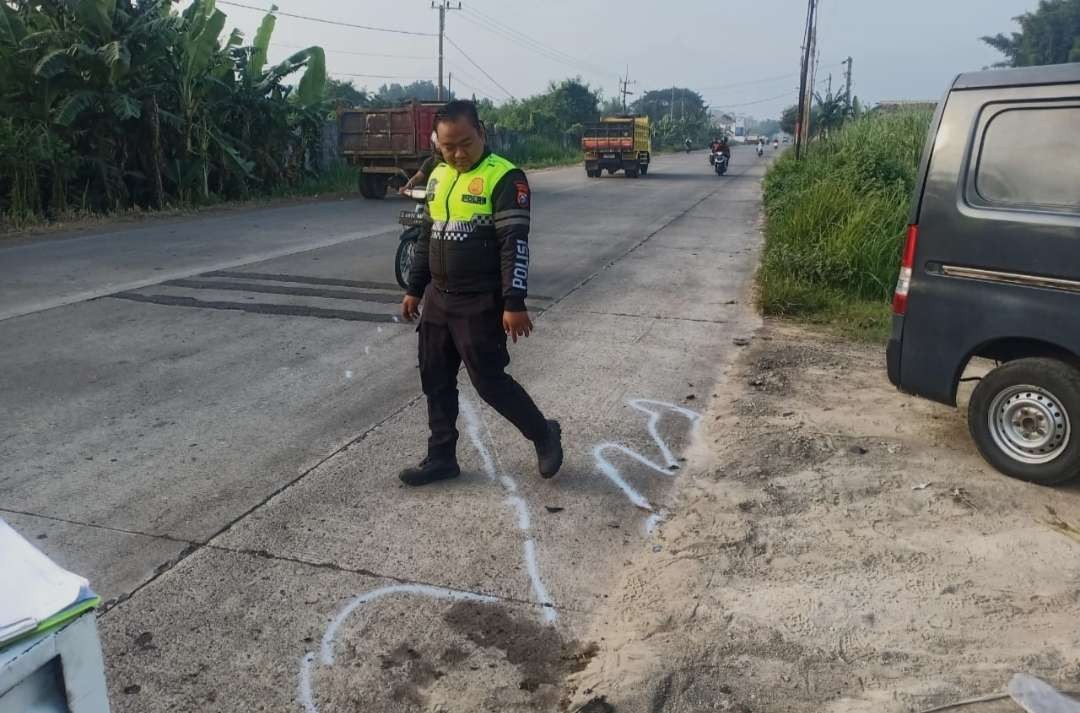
[59,671]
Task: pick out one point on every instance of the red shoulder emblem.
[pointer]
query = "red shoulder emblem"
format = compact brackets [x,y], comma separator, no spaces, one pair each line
[522,189]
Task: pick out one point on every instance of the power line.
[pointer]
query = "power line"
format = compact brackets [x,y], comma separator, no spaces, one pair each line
[379,76]
[357,54]
[482,70]
[324,21]
[752,103]
[485,21]
[475,90]
[490,24]
[764,80]
[487,92]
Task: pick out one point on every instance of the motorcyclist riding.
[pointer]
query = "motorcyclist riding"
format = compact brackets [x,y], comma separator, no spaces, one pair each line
[688,144]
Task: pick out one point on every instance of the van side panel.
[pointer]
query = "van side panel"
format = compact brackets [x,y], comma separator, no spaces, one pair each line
[894,350]
[959,301]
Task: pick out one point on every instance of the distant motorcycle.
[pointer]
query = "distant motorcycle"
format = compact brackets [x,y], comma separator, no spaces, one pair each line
[412,220]
[720,163]
[760,150]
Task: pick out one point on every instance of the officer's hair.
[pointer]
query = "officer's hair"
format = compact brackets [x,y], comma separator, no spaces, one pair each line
[459,109]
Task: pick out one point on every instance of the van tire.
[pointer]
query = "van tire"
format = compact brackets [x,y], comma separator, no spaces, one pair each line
[1055,387]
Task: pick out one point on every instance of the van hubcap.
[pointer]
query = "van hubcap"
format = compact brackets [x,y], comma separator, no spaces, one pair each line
[1029,424]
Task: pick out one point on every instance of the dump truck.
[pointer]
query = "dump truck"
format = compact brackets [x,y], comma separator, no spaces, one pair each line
[618,142]
[388,145]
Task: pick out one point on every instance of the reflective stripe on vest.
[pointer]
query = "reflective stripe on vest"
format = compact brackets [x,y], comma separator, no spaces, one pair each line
[460,203]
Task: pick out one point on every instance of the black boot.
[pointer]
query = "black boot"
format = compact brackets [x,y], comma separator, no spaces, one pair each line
[549,454]
[430,470]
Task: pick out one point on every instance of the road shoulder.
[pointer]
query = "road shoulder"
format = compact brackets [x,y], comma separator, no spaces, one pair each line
[838,547]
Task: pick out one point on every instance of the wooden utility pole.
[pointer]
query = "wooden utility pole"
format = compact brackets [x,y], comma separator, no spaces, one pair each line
[624,87]
[442,6]
[802,121]
[847,79]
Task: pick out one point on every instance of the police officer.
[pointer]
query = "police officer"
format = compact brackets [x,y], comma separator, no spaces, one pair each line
[471,270]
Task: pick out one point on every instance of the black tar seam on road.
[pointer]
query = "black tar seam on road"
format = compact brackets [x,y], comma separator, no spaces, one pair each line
[331,281]
[304,279]
[193,545]
[647,316]
[256,307]
[333,566]
[366,296]
[273,494]
[341,449]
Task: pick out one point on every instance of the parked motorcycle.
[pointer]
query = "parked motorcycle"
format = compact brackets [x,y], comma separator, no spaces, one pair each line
[412,220]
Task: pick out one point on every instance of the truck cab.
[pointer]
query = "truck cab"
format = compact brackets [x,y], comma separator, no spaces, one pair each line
[991,267]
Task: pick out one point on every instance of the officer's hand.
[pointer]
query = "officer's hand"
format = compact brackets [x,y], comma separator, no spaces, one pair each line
[410,308]
[517,324]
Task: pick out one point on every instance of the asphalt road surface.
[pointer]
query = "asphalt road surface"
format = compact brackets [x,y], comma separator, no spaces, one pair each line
[206,418]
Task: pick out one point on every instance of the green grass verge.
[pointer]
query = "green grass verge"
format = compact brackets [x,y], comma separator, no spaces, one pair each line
[835,224]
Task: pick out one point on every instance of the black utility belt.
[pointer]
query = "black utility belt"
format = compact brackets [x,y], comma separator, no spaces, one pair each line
[472,293]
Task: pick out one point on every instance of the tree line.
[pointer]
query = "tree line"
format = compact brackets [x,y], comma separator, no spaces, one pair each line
[113,104]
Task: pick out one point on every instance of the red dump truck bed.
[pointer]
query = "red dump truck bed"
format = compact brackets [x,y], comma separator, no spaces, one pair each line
[386,142]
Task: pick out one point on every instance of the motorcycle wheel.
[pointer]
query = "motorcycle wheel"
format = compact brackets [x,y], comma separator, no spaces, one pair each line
[403,261]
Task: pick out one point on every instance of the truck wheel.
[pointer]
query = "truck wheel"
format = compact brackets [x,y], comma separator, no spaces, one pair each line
[1023,417]
[377,186]
[632,172]
[644,169]
[364,185]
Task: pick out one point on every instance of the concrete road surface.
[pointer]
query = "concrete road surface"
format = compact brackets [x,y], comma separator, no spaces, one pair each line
[206,418]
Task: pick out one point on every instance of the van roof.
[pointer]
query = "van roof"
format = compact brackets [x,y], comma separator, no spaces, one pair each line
[1022,76]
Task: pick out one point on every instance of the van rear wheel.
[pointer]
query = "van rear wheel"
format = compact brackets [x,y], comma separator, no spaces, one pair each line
[1024,417]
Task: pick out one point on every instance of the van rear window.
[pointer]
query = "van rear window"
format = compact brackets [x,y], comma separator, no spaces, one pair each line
[1030,158]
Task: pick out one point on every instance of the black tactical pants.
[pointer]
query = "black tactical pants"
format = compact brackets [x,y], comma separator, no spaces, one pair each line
[456,328]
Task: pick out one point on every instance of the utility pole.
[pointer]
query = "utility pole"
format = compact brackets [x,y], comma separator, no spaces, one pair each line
[802,119]
[624,87]
[671,107]
[828,92]
[449,82]
[847,79]
[442,6]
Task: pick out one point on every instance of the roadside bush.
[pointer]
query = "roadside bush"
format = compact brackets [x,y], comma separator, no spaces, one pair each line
[836,222]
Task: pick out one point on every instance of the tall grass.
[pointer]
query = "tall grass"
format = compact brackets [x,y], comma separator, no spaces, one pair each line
[539,151]
[836,219]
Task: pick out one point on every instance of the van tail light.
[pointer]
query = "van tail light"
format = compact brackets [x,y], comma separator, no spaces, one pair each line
[903,285]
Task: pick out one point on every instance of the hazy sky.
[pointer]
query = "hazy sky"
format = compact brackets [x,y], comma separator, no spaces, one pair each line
[902,50]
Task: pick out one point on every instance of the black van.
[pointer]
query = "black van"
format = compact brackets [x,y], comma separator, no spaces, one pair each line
[991,267]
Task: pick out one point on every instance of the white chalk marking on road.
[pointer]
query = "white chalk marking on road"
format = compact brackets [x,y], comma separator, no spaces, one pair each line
[348,372]
[605,466]
[472,427]
[653,520]
[492,468]
[326,648]
[550,615]
[522,511]
[306,690]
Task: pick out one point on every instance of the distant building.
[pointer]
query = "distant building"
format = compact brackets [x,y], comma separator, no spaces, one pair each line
[894,105]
